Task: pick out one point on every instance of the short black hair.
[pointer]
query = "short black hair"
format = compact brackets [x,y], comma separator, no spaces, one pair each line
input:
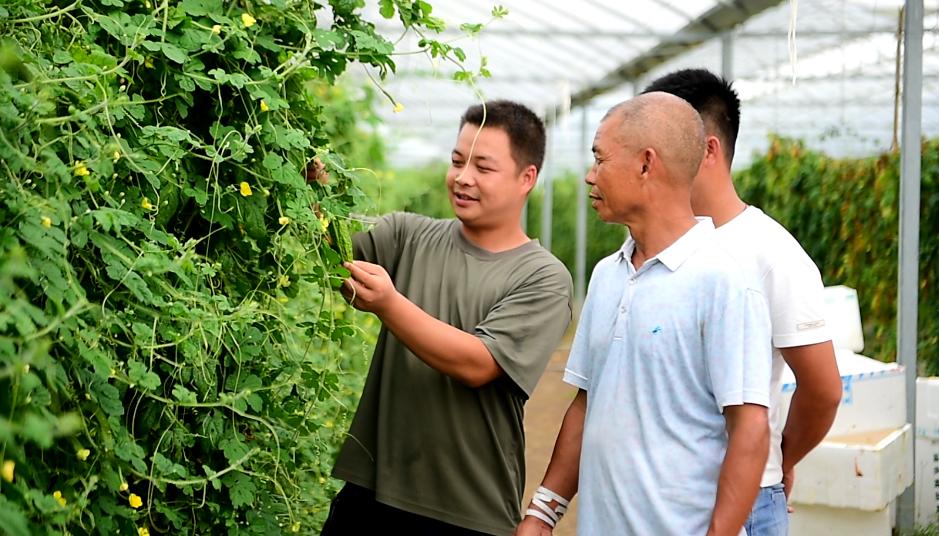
[525,129]
[712,96]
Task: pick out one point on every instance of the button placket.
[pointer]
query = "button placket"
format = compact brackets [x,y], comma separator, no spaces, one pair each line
[622,318]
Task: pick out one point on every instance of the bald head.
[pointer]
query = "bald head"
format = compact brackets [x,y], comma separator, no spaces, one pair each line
[667,124]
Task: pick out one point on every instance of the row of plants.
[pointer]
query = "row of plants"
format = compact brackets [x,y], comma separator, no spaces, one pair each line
[173,357]
[845,212]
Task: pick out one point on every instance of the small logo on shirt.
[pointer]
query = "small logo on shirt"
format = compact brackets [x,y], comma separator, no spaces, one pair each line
[815,324]
[656,330]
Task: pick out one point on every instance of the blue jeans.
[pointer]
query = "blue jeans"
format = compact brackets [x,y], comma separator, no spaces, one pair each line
[770,516]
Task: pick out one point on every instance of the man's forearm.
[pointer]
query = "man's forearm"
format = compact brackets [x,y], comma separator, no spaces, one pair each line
[807,424]
[563,470]
[448,350]
[739,481]
[815,401]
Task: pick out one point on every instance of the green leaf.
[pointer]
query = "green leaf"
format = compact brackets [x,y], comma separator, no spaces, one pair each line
[109,398]
[38,430]
[328,40]
[183,394]
[273,161]
[386,8]
[138,373]
[471,29]
[174,53]
[371,43]
[128,450]
[198,8]
[12,520]
[241,489]
[234,449]
[210,473]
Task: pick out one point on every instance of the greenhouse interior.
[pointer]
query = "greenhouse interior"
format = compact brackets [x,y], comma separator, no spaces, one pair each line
[185,339]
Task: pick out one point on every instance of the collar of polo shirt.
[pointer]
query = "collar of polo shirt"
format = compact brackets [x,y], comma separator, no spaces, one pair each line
[674,255]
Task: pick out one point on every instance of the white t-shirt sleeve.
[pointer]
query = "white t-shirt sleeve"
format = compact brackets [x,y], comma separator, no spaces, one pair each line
[797,307]
[737,356]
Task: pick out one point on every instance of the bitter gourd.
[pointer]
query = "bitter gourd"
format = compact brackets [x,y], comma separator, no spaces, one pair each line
[341,238]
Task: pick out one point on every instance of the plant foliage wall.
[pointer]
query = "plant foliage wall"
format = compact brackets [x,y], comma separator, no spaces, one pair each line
[172,355]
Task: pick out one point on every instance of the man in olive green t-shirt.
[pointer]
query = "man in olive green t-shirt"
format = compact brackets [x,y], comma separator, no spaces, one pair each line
[471,311]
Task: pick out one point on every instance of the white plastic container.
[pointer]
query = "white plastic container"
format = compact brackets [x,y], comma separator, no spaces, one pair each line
[927,481]
[927,451]
[863,471]
[850,482]
[816,520]
[843,317]
[873,394]
[927,407]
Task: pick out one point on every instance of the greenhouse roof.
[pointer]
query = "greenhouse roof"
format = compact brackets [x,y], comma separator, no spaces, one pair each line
[571,64]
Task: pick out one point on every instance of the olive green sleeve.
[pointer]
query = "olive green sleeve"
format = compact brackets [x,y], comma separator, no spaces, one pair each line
[525,327]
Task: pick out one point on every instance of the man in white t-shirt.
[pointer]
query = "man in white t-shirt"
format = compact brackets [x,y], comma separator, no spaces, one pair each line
[669,433]
[791,284]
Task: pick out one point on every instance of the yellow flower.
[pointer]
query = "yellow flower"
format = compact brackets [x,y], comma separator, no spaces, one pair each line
[283,281]
[248,20]
[117,154]
[148,63]
[135,500]
[324,222]
[264,106]
[245,189]
[295,527]
[399,107]
[8,466]
[59,498]
[124,486]
[46,222]
[83,454]
[81,170]
[216,29]
[283,299]
[283,220]
[143,531]
[146,204]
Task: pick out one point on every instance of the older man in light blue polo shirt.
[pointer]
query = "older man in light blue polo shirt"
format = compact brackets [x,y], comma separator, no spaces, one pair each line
[669,429]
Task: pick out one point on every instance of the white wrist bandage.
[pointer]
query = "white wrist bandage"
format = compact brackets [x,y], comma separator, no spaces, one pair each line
[544,512]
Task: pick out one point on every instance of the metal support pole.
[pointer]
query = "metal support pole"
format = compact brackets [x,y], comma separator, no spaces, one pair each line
[547,204]
[580,262]
[727,56]
[910,162]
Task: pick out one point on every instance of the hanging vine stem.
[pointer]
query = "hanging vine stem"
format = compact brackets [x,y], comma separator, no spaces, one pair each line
[50,15]
[793,54]
[202,481]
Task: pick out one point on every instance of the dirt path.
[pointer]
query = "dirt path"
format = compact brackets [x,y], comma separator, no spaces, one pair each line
[543,415]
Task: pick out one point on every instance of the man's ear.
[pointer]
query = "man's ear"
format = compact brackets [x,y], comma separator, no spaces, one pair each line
[528,178]
[713,152]
[647,160]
